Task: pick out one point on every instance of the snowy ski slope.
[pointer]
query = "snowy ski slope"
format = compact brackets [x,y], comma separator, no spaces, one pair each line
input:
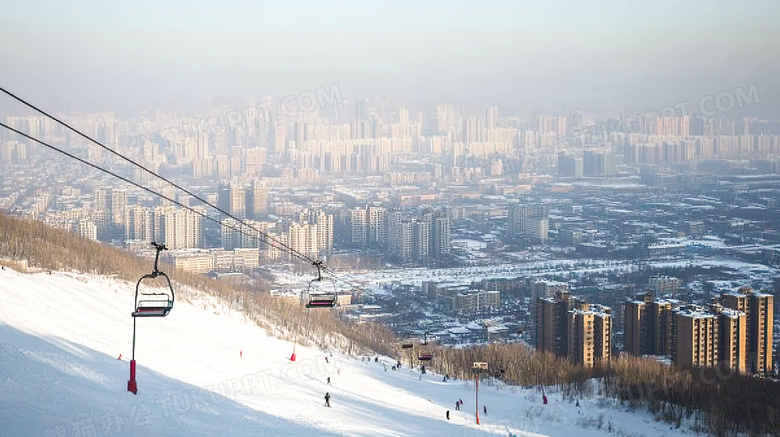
[203,372]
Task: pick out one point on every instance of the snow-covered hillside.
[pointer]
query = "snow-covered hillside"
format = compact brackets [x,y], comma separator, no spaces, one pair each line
[202,372]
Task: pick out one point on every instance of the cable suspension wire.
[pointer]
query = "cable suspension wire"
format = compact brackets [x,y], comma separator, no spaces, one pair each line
[261,237]
[267,237]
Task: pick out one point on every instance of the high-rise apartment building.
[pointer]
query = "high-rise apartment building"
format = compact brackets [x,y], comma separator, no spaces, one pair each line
[569,166]
[369,226]
[183,229]
[440,236]
[87,229]
[104,199]
[529,221]
[570,327]
[647,326]
[732,338]
[551,321]
[602,332]
[139,223]
[324,228]
[598,163]
[696,337]
[420,240]
[118,204]
[664,284]
[491,117]
[232,198]
[759,310]
[358,226]
[256,200]
[376,222]
[579,324]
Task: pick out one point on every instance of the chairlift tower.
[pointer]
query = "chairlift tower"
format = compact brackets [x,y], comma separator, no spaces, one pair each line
[149,305]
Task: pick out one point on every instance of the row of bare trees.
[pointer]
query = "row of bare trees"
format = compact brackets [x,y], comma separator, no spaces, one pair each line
[714,400]
[49,248]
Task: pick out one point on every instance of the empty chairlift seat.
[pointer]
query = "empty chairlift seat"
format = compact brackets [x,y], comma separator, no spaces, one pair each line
[154,307]
[321,300]
[154,304]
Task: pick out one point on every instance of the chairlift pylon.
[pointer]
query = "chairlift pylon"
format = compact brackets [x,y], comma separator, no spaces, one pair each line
[157,306]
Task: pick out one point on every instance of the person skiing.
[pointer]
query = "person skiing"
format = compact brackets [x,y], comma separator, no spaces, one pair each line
[326,359]
[485,409]
[329,380]
[327,399]
[457,405]
[448,414]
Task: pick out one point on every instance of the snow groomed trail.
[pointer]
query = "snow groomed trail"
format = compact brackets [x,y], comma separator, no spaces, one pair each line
[203,371]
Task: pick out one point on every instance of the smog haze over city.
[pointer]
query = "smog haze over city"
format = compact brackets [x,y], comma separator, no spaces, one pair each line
[595,182]
[92,55]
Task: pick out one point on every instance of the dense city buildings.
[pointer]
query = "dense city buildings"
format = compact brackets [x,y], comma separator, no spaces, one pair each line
[493,210]
[733,333]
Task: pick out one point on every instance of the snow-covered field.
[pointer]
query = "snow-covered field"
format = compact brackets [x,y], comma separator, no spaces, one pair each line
[203,371]
[374,279]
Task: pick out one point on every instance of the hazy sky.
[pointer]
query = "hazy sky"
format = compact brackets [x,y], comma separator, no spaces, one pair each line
[526,55]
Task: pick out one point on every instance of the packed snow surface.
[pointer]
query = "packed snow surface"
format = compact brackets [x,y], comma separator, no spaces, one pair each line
[204,370]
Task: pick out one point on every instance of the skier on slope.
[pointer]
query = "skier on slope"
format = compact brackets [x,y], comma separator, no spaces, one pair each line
[327,399]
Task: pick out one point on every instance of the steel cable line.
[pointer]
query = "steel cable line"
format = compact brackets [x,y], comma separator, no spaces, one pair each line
[267,237]
[261,237]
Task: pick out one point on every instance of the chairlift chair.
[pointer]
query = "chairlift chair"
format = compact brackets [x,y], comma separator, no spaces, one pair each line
[425,354]
[320,299]
[315,300]
[159,304]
